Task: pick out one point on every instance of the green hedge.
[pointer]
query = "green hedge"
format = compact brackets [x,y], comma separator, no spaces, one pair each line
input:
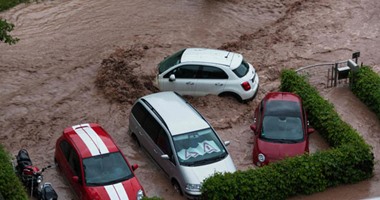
[10,185]
[6,4]
[348,161]
[366,86]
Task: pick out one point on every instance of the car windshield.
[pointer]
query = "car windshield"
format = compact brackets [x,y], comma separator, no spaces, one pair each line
[199,148]
[242,70]
[282,122]
[106,169]
[170,61]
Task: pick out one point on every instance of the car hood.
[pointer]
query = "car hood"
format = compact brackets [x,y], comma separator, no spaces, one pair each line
[196,174]
[277,151]
[125,190]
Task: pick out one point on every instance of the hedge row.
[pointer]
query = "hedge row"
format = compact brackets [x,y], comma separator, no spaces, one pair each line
[10,185]
[366,86]
[6,4]
[348,161]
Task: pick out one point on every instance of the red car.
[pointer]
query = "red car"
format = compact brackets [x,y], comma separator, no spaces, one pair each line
[94,166]
[281,128]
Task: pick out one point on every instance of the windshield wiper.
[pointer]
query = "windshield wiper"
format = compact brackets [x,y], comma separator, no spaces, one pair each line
[212,159]
[112,182]
[188,163]
[284,141]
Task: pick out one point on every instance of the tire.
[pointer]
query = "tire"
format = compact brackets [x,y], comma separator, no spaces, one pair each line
[134,137]
[177,187]
[56,164]
[231,94]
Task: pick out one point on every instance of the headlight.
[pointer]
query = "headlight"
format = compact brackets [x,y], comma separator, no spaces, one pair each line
[261,157]
[140,195]
[39,179]
[193,187]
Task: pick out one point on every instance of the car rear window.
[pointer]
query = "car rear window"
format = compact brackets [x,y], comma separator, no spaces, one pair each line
[283,108]
[170,61]
[242,70]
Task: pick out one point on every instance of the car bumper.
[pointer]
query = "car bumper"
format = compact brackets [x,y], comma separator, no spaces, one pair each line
[253,92]
[193,196]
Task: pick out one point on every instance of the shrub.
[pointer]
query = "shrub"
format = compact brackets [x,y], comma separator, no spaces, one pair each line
[10,185]
[6,4]
[366,86]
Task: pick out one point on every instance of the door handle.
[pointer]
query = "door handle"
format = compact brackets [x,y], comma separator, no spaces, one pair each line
[189,83]
[155,151]
[219,84]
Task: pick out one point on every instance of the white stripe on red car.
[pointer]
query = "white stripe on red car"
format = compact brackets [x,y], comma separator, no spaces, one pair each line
[116,192]
[91,139]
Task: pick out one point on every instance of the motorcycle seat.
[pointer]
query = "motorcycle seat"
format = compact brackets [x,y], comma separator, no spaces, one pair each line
[23,156]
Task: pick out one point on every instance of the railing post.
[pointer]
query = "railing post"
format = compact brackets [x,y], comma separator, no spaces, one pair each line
[328,77]
[336,74]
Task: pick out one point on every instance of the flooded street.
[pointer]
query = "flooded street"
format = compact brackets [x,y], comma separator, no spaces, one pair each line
[47,80]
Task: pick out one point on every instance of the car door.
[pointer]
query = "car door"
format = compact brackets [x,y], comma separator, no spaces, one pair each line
[164,147]
[69,166]
[76,170]
[138,123]
[65,150]
[184,80]
[211,80]
[151,128]
[257,120]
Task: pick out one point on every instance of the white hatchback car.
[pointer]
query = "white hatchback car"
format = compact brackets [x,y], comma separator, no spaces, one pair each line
[201,71]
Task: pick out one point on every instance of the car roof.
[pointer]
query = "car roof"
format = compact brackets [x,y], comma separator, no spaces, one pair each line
[282,103]
[230,59]
[179,116]
[90,140]
[287,96]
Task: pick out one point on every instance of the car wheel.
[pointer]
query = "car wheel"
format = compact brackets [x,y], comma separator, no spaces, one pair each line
[134,137]
[56,163]
[231,94]
[176,186]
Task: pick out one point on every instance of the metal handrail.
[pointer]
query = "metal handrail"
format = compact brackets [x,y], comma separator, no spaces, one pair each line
[320,64]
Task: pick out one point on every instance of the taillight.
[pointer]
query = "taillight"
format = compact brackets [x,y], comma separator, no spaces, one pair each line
[246,86]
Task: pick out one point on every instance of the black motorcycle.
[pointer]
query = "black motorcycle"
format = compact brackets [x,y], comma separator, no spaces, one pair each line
[32,177]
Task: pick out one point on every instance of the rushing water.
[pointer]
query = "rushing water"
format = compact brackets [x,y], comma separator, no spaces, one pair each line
[47,78]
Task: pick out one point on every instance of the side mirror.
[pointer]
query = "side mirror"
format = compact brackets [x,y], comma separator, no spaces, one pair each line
[310,130]
[172,77]
[253,128]
[226,143]
[75,179]
[135,166]
[165,157]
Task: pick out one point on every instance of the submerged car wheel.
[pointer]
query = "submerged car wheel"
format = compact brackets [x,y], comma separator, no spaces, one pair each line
[134,137]
[176,186]
[56,164]
[231,94]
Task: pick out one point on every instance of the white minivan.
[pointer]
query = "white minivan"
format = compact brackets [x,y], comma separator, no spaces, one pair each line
[180,141]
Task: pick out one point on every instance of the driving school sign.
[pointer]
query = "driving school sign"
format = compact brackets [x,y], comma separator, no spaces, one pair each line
[203,148]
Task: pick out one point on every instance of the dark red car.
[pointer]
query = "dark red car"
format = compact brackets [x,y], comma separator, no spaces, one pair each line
[281,128]
[94,166]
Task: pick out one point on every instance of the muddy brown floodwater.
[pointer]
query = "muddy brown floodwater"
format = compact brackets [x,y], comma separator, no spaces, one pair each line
[48,79]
